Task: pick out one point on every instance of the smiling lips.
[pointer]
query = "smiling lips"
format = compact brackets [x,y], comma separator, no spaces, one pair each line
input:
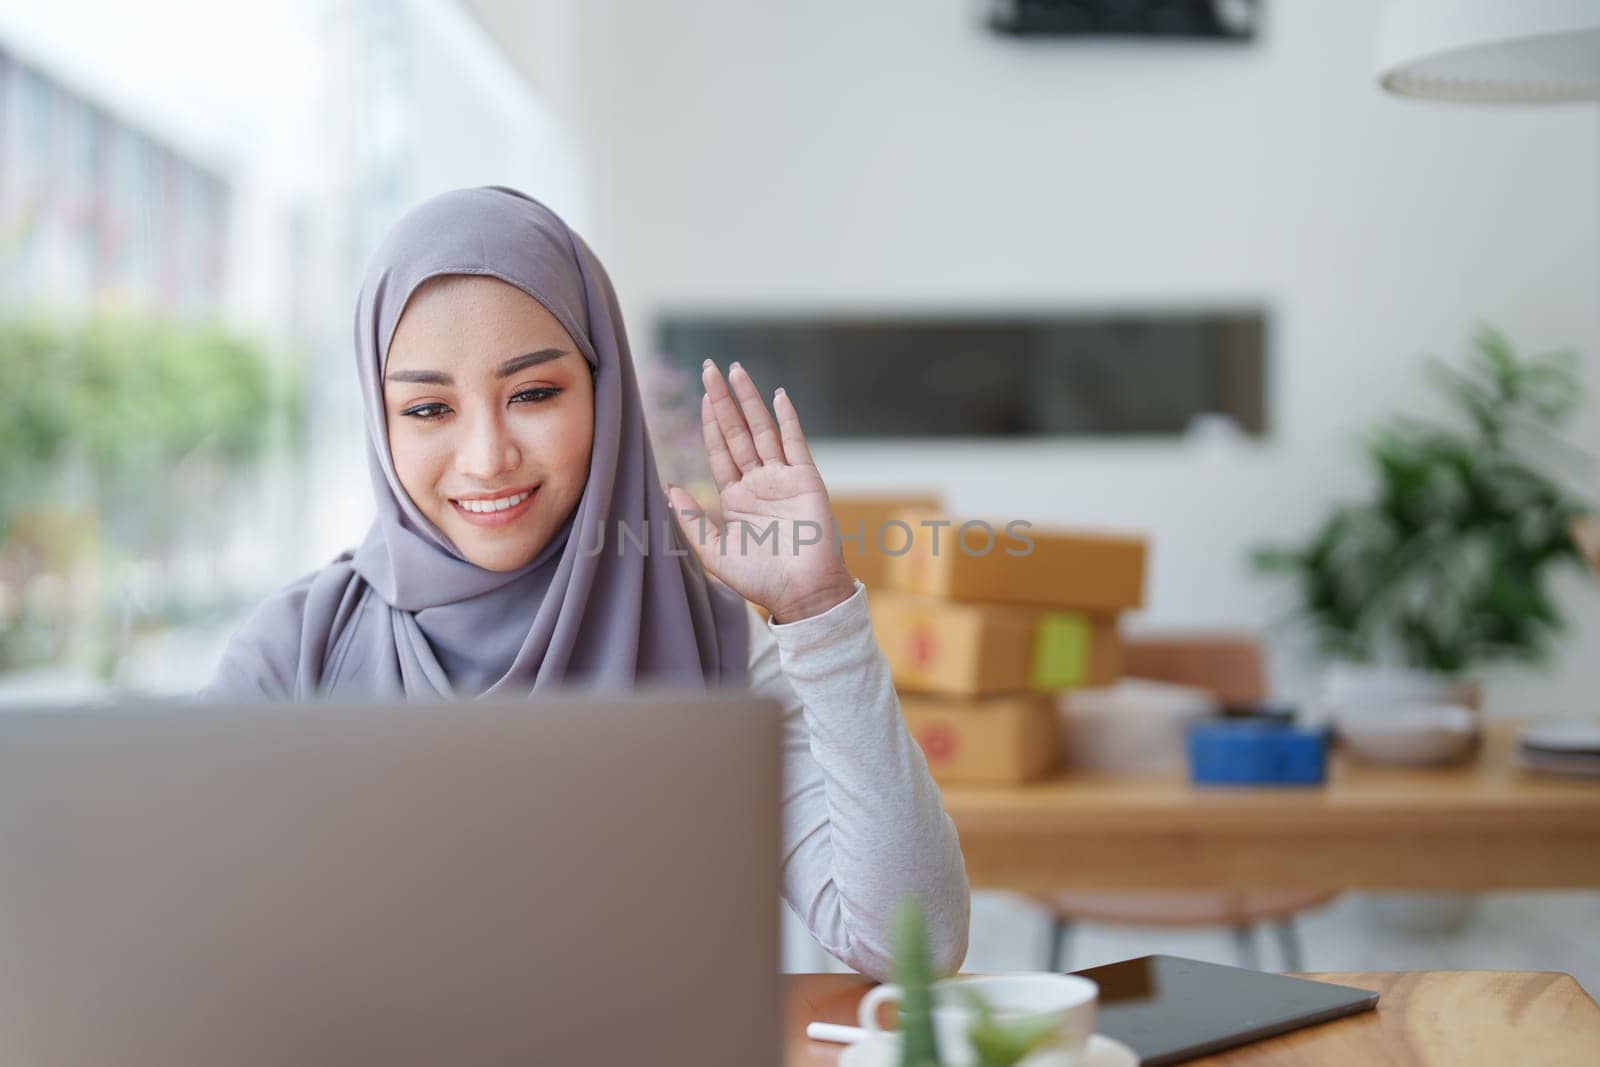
[500,510]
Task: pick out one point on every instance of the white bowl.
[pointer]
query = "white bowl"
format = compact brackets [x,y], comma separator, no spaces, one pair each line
[1412,734]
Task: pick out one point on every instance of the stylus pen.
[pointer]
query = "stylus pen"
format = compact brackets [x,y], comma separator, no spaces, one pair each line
[843,1035]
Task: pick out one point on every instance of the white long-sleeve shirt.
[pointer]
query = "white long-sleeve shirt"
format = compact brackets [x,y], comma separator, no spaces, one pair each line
[863,822]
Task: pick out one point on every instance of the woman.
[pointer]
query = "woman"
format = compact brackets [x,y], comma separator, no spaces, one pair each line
[507,450]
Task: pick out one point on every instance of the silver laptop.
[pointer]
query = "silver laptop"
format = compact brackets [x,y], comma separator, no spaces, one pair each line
[571,881]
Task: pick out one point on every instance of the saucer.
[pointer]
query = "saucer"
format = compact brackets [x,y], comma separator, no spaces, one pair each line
[883,1050]
[1577,737]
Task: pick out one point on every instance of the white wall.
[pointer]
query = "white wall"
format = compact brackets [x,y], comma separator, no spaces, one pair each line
[836,154]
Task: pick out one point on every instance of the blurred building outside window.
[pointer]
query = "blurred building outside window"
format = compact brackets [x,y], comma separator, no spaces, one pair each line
[187,201]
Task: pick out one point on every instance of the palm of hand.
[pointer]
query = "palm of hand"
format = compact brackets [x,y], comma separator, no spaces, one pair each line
[776,546]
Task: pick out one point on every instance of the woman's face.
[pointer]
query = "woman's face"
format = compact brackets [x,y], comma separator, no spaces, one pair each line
[488,401]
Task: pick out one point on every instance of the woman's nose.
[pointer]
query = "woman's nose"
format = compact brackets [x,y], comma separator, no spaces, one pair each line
[488,449]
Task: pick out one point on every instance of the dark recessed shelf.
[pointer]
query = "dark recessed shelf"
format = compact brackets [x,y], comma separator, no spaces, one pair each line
[906,375]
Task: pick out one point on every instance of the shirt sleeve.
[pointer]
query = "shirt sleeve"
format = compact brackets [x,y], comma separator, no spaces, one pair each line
[863,822]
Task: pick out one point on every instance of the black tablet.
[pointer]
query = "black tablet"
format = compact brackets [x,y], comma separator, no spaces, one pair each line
[1169,1009]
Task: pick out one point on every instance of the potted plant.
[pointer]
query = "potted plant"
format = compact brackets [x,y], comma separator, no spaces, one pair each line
[1443,569]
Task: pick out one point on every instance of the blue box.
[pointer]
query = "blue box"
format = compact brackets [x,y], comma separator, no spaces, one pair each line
[1256,752]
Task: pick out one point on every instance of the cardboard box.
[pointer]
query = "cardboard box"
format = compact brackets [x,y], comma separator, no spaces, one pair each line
[986,741]
[1003,561]
[934,645]
[867,515]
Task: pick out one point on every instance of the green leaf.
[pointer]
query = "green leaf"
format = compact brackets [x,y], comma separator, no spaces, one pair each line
[919,1044]
[1003,1043]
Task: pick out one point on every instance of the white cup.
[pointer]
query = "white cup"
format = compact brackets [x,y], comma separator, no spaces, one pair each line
[1069,998]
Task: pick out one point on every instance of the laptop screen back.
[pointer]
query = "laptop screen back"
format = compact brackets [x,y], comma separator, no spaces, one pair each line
[567,881]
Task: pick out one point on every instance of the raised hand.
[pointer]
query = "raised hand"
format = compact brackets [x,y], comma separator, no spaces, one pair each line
[776,546]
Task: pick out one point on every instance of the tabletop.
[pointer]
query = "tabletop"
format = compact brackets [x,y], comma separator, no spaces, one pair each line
[1487,824]
[1454,1018]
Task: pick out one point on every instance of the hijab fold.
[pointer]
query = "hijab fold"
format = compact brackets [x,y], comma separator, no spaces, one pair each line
[404,613]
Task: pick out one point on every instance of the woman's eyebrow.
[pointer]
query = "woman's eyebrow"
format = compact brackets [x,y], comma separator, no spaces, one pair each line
[505,370]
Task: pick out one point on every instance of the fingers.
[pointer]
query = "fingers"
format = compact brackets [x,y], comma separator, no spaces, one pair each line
[769,446]
[724,471]
[794,438]
[730,419]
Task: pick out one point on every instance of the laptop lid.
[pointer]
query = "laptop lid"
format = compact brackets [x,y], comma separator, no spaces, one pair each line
[577,880]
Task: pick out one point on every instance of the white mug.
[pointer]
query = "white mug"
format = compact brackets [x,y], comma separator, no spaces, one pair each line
[1069,998]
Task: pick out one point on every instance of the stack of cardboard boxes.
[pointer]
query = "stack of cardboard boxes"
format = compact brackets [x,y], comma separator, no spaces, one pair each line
[985,623]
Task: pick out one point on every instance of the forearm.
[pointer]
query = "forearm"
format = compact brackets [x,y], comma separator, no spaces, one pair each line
[877,827]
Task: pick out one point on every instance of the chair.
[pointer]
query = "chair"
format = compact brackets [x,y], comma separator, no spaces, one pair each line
[1231,667]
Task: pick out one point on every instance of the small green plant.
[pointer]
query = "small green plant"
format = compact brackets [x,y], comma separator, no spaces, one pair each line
[998,1042]
[919,1044]
[1444,568]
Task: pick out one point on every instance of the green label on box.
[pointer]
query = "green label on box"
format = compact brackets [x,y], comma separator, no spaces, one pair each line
[1060,651]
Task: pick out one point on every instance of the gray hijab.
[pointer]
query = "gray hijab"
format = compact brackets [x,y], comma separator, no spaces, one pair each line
[405,614]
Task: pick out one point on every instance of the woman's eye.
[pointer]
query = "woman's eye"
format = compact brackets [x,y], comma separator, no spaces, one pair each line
[430,412]
[426,412]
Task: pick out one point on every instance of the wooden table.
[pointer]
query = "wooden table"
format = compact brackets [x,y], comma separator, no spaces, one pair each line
[1486,825]
[1450,1018]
